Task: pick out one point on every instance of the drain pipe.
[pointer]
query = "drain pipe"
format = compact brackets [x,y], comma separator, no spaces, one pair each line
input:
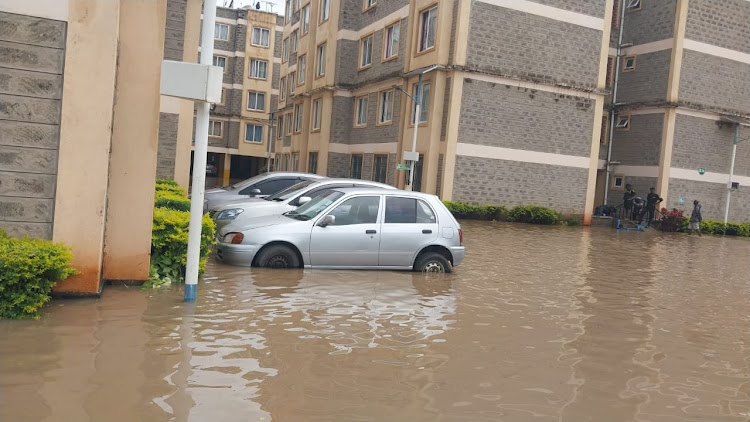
[614,101]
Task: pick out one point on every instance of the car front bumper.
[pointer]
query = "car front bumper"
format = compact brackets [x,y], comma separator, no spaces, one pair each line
[232,254]
[458,253]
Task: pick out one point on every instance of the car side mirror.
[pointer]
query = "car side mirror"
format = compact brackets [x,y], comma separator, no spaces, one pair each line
[327,221]
[303,200]
[254,192]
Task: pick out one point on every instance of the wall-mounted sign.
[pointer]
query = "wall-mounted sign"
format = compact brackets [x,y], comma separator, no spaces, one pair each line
[682,200]
[701,171]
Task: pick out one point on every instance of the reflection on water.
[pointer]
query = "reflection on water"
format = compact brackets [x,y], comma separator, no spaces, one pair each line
[538,324]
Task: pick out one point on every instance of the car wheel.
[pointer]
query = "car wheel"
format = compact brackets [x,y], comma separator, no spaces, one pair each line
[278,256]
[433,262]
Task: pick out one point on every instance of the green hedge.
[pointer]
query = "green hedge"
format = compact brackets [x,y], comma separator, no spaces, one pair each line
[477,212]
[533,214]
[731,229]
[29,268]
[521,214]
[169,236]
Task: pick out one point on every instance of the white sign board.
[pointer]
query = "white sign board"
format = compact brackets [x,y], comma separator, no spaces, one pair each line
[191,81]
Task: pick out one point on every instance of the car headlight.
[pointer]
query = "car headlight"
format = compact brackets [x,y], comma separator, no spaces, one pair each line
[229,214]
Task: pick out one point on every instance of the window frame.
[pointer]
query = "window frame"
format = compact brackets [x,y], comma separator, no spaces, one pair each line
[219,25]
[250,70]
[226,60]
[384,58]
[374,168]
[262,130]
[223,97]
[301,69]
[285,50]
[419,49]
[212,126]
[423,108]
[292,81]
[360,57]
[625,67]
[309,161]
[317,114]
[319,62]
[299,113]
[290,123]
[288,12]
[252,36]
[280,127]
[282,88]
[613,184]
[366,6]
[357,102]
[247,100]
[623,127]
[604,136]
[417,201]
[638,5]
[325,6]
[304,28]
[361,165]
[380,121]
[294,41]
[295,161]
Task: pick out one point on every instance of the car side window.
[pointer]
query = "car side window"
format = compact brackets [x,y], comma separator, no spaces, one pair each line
[269,187]
[408,211]
[359,210]
[315,192]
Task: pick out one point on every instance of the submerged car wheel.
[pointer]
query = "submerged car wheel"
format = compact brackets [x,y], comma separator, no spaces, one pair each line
[433,262]
[278,256]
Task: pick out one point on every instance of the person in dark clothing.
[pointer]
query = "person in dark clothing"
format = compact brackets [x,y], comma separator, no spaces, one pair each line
[652,199]
[695,219]
[627,199]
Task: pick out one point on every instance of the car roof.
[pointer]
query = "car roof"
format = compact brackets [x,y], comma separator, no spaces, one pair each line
[326,181]
[292,173]
[381,191]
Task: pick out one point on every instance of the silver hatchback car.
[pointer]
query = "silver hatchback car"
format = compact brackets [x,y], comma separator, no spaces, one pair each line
[351,228]
[259,186]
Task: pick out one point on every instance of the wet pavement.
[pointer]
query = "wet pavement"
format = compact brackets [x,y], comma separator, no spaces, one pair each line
[539,324]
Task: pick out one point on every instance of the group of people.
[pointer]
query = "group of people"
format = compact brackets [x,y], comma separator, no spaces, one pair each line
[635,210]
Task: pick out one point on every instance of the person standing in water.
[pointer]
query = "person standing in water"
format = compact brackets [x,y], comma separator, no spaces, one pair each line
[695,219]
[652,200]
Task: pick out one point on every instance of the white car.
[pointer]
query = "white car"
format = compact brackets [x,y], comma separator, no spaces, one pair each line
[240,212]
[255,187]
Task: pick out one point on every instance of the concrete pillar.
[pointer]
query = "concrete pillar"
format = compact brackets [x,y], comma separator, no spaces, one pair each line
[85,134]
[135,138]
[226,169]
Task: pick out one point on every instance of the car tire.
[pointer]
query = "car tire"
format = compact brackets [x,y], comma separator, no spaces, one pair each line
[433,262]
[278,257]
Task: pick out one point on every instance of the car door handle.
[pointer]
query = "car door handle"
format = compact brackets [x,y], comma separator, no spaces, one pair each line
[371,231]
[426,231]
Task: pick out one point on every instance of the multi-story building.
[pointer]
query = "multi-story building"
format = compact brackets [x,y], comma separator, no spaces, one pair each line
[683,94]
[247,45]
[513,95]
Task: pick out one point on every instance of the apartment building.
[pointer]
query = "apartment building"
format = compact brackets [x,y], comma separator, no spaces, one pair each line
[683,99]
[247,45]
[511,113]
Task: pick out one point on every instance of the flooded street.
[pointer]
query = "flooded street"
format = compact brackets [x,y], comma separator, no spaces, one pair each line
[538,324]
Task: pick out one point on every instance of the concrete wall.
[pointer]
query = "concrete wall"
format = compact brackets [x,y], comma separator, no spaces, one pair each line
[653,22]
[174,40]
[641,145]
[723,23]
[586,7]
[347,60]
[532,47]
[31,59]
[702,143]
[338,164]
[713,198]
[167,150]
[648,82]
[713,83]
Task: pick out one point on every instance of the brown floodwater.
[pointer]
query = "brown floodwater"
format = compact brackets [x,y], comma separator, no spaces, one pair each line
[539,324]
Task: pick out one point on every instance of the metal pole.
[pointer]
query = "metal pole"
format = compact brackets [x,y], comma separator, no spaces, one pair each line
[199,160]
[614,101]
[417,111]
[270,137]
[731,170]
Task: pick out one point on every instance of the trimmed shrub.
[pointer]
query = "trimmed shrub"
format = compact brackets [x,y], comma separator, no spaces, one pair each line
[730,229]
[29,268]
[476,212]
[172,200]
[533,214]
[163,185]
[573,221]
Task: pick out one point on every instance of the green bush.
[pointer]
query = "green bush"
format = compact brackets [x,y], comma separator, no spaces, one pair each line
[573,221]
[29,268]
[533,214]
[731,229]
[476,212]
[163,185]
[172,200]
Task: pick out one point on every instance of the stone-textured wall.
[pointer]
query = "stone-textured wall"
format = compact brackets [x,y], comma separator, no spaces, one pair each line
[518,118]
[713,198]
[722,23]
[641,145]
[373,133]
[701,143]
[353,18]
[347,60]
[714,83]
[165,155]
[32,52]
[174,37]
[517,44]
[653,22]
[338,164]
[341,121]
[511,183]
[586,7]
[648,82]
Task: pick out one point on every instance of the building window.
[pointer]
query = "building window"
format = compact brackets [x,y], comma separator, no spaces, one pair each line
[391,37]
[253,133]
[365,52]
[605,130]
[427,24]
[286,162]
[424,103]
[258,69]
[610,71]
[298,118]
[221,61]
[221,32]
[261,37]
[356,166]
[285,48]
[301,69]
[634,5]
[305,19]
[280,127]
[256,101]
[618,182]
[294,40]
[214,128]
[380,168]
[628,65]
[289,123]
[297,4]
[292,82]
[325,10]
[288,14]
[312,162]
[320,69]
[616,14]
[385,107]
[623,122]
[361,115]
[282,89]
[295,161]
[367,4]
[317,113]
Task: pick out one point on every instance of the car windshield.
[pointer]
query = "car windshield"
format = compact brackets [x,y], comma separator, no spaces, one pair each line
[315,206]
[290,192]
[243,183]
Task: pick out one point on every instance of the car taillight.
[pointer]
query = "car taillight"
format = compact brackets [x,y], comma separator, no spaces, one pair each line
[237,238]
[461,236]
